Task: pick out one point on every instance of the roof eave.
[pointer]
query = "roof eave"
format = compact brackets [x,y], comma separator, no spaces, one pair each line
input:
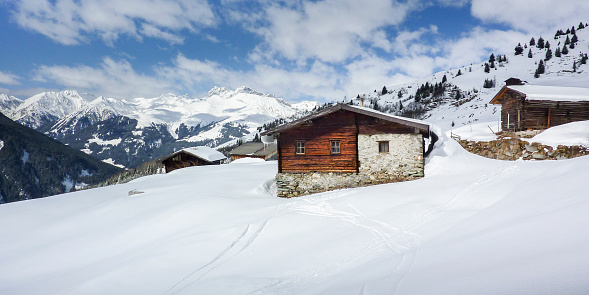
[341,106]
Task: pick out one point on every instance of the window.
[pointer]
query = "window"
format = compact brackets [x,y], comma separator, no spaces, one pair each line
[383,146]
[335,147]
[299,147]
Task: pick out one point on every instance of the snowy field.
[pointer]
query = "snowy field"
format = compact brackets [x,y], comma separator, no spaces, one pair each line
[471,226]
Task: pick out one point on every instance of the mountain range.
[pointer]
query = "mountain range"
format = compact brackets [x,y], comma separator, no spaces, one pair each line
[129,132]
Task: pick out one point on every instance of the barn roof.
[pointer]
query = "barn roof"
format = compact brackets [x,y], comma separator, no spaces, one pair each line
[254,149]
[552,93]
[421,125]
[203,152]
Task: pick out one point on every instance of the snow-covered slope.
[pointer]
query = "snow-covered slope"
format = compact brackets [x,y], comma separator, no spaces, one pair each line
[473,104]
[47,107]
[471,226]
[8,103]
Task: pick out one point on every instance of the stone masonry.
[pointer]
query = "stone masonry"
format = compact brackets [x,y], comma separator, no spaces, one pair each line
[403,162]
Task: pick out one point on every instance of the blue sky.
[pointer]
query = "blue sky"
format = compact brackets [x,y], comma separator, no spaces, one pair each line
[297,49]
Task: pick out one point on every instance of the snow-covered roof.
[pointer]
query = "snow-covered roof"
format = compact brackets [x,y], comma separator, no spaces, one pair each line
[254,149]
[553,93]
[204,152]
[421,125]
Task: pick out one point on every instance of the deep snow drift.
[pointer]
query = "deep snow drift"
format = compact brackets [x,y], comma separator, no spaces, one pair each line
[471,226]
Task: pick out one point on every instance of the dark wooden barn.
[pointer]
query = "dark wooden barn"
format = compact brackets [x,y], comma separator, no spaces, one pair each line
[350,139]
[195,156]
[539,107]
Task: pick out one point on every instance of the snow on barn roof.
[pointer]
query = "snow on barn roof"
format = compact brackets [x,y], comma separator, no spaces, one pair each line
[204,152]
[553,93]
[254,149]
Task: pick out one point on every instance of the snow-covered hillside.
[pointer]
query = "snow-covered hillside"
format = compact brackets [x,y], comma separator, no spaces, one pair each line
[473,104]
[471,226]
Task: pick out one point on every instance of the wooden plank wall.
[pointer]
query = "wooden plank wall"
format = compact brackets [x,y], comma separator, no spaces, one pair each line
[537,113]
[317,136]
[186,160]
[534,114]
[370,125]
[510,104]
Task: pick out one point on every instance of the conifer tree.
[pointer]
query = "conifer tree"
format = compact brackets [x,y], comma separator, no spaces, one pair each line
[581,26]
[572,46]
[530,53]
[540,70]
[487,69]
[573,30]
[444,79]
[557,52]
[518,49]
[459,73]
[384,90]
[574,39]
[565,50]
[540,43]
[547,45]
[492,58]
[567,41]
[532,41]
[548,55]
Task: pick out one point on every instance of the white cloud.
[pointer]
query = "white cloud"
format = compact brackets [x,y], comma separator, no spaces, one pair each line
[113,78]
[9,79]
[331,30]
[476,45]
[532,16]
[72,22]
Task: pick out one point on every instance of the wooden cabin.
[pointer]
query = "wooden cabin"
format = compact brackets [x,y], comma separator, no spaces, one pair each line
[361,144]
[194,156]
[539,107]
[260,150]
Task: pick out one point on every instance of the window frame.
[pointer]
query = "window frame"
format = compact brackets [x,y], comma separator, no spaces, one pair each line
[381,144]
[297,147]
[331,146]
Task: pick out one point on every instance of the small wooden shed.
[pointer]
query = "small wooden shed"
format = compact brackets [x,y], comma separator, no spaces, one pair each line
[260,150]
[347,146]
[194,156]
[539,107]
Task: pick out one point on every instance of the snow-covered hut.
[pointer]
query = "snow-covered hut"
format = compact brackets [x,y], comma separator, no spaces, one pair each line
[539,107]
[347,146]
[193,156]
[260,150]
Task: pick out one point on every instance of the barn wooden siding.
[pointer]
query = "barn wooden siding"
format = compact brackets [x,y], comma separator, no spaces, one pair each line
[519,113]
[540,114]
[318,134]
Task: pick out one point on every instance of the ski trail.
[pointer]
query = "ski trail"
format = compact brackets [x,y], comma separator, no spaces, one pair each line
[239,244]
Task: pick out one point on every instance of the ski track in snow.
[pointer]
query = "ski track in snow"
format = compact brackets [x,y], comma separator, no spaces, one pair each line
[239,244]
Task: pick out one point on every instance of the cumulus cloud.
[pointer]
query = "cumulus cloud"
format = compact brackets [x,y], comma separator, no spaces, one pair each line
[330,30]
[113,78]
[9,79]
[476,45]
[532,16]
[72,22]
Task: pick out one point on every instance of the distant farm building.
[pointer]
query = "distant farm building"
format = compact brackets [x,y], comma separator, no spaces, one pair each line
[539,107]
[194,156]
[348,146]
[260,150]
